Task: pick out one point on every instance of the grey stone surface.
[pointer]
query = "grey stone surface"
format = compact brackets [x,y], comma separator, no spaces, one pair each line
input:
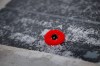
[24,22]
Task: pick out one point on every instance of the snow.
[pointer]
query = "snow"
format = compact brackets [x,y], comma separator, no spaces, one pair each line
[22,37]
[79,33]
[44,32]
[67,54]
[60,26]
[26,21]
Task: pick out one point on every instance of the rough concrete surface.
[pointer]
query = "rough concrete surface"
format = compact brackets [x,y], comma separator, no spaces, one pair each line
[11,56]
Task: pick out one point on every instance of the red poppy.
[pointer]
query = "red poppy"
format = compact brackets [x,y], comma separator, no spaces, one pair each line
[54,37]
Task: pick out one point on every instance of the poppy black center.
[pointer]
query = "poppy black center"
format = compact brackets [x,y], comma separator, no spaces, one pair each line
[54,36]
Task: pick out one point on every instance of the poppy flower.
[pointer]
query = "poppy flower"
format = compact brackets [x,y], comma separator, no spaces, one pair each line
[54,37]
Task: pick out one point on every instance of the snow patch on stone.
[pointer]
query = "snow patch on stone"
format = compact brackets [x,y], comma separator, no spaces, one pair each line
[79,33]
[26,21]
[60,26]
[22,37]
[44,32]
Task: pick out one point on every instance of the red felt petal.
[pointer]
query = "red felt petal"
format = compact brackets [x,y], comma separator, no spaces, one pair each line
[48,37]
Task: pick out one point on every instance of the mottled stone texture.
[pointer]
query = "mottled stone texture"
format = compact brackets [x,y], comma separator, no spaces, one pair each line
[22,23]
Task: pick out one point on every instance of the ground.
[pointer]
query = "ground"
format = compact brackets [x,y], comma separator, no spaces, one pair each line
[11,56]
[23,24]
